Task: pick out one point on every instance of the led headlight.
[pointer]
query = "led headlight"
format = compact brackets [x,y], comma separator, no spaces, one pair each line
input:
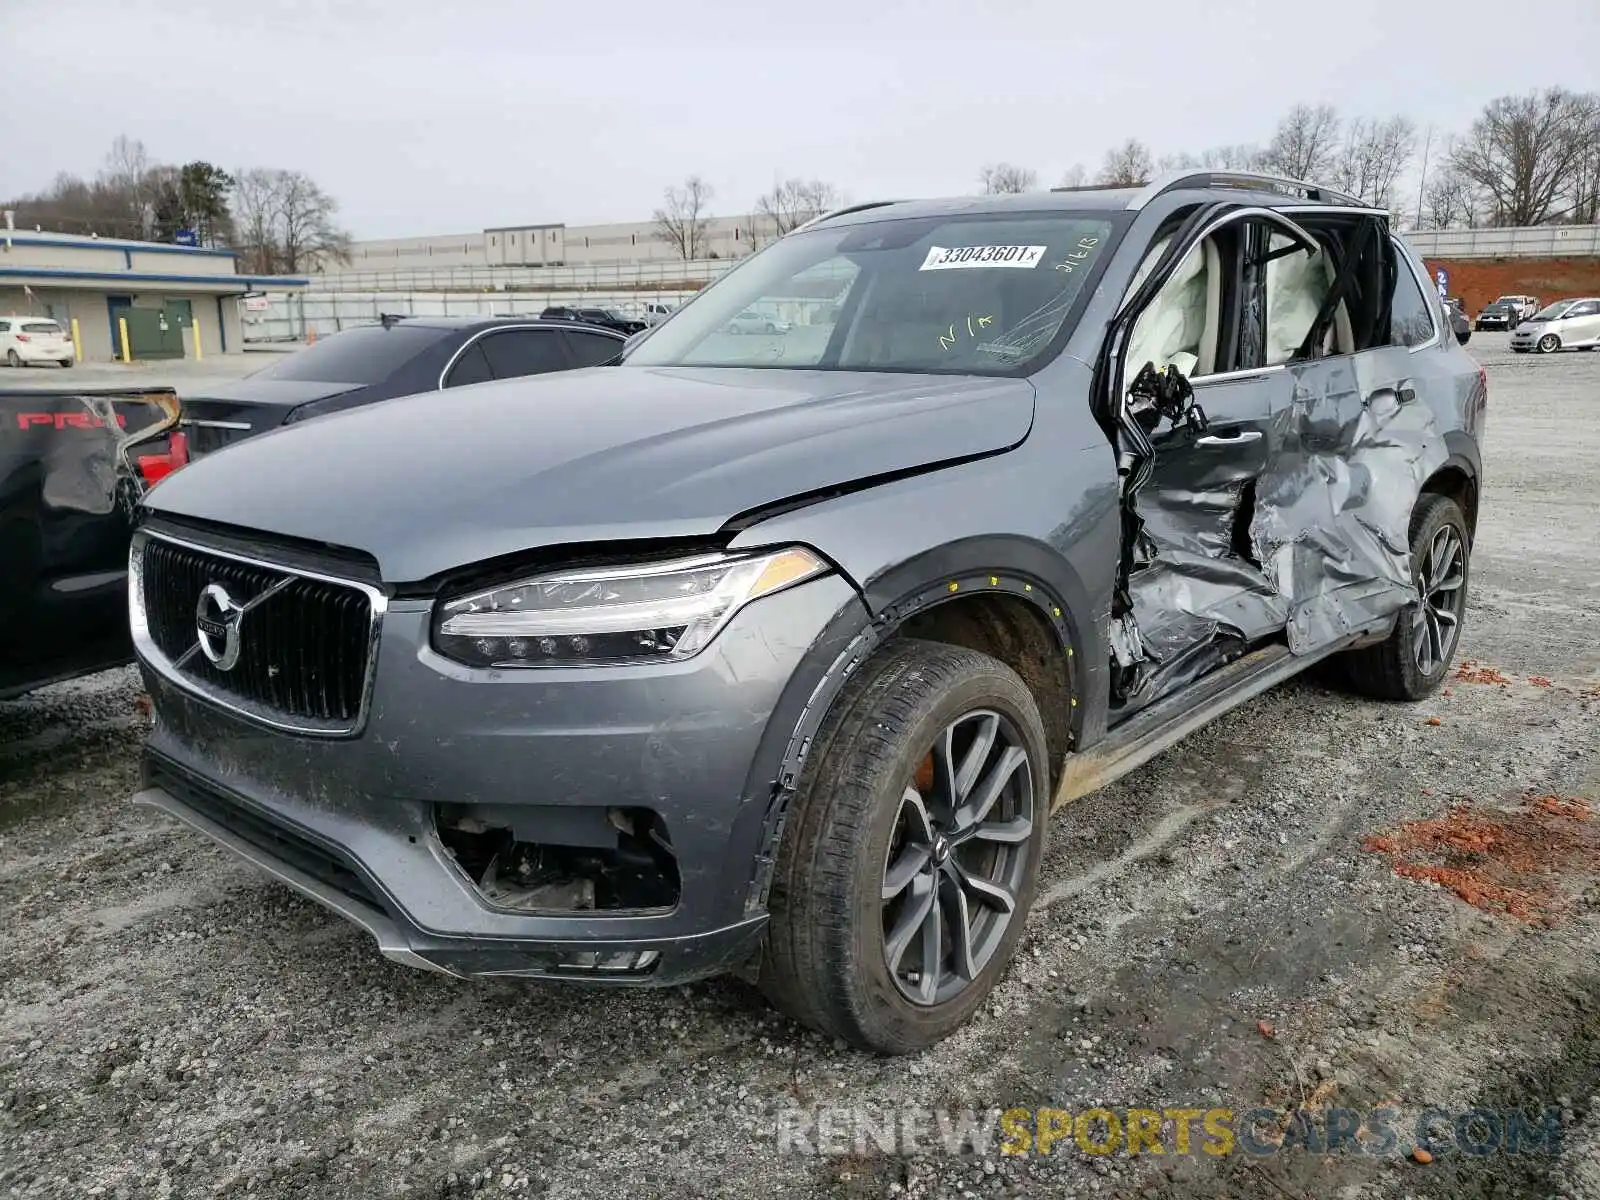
[652,612]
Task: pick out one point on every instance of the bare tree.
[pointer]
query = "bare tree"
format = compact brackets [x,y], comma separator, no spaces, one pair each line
[128,171]
[1524,152]
[1076,176]
[1448,201]
[1586,174]
[793,202]
[999,178]
[285,222]
[1373,156]
[682,221]
[1127,165]
[1305,144]
[1218,158]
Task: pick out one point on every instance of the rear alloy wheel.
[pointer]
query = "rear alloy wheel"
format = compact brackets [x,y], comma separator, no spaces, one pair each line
[1413,661]
[1549,344]
[912,850]
[13,358]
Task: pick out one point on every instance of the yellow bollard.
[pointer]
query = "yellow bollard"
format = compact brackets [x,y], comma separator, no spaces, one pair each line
[198,352]
[122,327]
[77,342]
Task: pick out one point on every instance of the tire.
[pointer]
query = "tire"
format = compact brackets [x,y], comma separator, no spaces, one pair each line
[1549,344]
[13,359]
[827,958]
[1402,667]
[66,362]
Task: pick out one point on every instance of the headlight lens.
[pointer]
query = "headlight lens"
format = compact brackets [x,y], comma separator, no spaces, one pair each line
[653,612]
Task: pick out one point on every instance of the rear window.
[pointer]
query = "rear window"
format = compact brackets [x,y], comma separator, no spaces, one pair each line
[367,354]
[41,327]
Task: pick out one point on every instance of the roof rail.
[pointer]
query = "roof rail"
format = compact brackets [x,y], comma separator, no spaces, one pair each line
[845,211]
[1172,180]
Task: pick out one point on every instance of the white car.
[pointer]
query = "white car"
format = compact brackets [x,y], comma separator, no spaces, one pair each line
[25,340]
[1564,325]
[751,321]
[655,313]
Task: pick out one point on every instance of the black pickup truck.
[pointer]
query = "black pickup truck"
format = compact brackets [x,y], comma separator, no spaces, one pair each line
[73,465]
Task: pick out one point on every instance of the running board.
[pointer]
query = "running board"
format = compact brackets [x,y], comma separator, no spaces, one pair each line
[1145,735]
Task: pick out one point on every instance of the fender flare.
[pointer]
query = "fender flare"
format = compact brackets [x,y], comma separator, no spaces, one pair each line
[1008,565]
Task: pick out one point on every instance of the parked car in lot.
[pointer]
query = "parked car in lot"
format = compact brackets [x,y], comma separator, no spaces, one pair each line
[655,313]
[1564,325]
[775,655]
[1507,312]
[1500,314]
[70,479]
[399,357]
[751,321]
[25,341]
[603,318]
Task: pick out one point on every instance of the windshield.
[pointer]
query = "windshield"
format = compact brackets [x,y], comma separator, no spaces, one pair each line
[970,295]
[366,354]
[1551,311]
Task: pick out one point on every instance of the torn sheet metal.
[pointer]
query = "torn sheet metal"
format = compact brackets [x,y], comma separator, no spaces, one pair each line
[1333,508]
[1329,528]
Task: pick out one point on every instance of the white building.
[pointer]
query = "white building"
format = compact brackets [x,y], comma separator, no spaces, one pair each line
[163,293]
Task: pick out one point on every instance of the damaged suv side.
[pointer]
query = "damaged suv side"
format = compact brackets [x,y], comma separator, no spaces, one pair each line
[774,652]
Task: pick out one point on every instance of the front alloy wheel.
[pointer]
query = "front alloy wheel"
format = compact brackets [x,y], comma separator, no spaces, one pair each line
[1549,344]
[908,865]
[958,859]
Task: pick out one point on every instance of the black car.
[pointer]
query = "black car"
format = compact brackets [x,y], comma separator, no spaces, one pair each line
[400,356]
[605,318]
[1502,314]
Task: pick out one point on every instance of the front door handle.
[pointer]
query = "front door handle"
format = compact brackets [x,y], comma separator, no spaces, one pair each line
[1237,439]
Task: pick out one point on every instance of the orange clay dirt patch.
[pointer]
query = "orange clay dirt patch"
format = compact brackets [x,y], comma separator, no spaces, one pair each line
[1510,861]
[1473,671]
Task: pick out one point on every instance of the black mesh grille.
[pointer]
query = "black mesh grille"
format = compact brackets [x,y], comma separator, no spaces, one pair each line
[304,650]
[261,832]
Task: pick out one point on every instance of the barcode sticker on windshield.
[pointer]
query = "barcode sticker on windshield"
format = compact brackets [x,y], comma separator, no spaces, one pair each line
[951,258]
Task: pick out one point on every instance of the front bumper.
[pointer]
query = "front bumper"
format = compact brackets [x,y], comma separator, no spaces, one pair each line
[351,822]
[1526,337]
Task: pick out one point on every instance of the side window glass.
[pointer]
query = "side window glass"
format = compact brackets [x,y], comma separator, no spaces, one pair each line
[519,352]
[1410,316]
[590,349]
[471,367]
[1297,283]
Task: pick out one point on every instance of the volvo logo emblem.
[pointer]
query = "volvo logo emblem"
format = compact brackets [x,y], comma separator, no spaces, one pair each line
[216,619]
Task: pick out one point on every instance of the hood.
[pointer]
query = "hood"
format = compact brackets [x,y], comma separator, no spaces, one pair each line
[430,483]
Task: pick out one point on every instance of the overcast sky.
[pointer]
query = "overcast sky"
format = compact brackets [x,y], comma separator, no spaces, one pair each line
[425,118]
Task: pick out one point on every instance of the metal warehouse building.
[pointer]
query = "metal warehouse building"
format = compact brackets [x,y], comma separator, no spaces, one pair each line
[163,293]
[553,245]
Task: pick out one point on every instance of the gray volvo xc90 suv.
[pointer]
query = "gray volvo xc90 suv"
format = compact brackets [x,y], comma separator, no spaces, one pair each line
[773,653]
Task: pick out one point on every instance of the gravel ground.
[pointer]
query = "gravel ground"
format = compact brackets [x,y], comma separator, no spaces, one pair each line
[1212,931]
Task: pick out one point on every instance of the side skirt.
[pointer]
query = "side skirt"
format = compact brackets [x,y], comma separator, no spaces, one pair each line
[1146,734]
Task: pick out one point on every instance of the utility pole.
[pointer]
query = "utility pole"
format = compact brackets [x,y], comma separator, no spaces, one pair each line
[1422,185]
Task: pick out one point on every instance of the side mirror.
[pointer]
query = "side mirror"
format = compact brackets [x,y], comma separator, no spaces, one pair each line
[1464,333]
